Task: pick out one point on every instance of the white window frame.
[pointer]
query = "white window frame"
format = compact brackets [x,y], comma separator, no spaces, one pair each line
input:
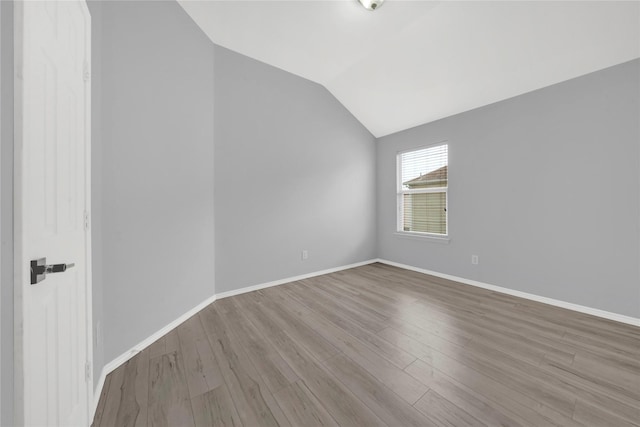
[444,238]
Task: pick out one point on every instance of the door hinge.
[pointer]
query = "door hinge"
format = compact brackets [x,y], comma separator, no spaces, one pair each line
[86,220]
[86,73]
[87,371]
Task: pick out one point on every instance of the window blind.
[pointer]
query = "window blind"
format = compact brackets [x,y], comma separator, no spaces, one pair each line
[422,190]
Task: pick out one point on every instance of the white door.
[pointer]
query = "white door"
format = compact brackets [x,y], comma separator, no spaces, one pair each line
[52,189]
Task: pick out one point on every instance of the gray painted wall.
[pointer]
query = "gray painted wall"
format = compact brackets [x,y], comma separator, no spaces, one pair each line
[6,209]
[294,170]
[156,169]
[95,8]
[543,187]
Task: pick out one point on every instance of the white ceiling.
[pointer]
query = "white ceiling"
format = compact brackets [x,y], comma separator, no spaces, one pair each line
[412,62]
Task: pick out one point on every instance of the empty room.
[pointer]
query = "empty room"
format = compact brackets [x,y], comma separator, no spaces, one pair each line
[319,213]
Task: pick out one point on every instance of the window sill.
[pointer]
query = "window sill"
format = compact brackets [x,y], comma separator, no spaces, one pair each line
[419,236]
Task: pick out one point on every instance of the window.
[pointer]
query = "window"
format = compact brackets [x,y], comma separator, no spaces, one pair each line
[422,190]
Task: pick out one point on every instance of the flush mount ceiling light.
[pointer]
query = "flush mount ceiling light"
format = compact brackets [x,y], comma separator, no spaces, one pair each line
[371,4]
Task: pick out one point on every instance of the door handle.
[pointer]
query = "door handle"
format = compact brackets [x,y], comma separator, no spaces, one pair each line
[40,269]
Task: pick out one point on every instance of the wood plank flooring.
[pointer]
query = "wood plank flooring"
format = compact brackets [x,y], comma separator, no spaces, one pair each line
[380,346]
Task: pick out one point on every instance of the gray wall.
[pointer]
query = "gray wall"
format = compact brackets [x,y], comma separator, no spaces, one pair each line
[544,187]
[156,169]
[294,170]
[6,210]
[95,8]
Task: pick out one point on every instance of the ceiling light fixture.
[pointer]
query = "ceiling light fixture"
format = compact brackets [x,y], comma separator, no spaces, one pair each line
[371,4]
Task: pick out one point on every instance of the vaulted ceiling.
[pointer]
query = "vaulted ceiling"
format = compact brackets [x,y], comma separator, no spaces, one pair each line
[412,62]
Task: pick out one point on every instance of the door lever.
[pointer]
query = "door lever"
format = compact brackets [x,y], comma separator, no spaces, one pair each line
[40,269]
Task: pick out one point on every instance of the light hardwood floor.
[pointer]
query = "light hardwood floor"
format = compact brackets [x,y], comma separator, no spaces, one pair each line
[379,345]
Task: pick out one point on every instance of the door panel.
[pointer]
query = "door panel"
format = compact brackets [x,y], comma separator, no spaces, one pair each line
[52,194]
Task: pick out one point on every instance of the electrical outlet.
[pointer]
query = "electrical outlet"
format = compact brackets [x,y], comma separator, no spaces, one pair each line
[474,259]
[305,254]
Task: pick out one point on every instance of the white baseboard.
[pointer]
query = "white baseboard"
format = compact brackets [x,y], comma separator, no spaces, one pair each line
[563,304]
[111,366]
[124,357]
[291,279]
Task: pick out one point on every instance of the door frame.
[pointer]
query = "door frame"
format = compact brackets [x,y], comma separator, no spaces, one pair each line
[18,190]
